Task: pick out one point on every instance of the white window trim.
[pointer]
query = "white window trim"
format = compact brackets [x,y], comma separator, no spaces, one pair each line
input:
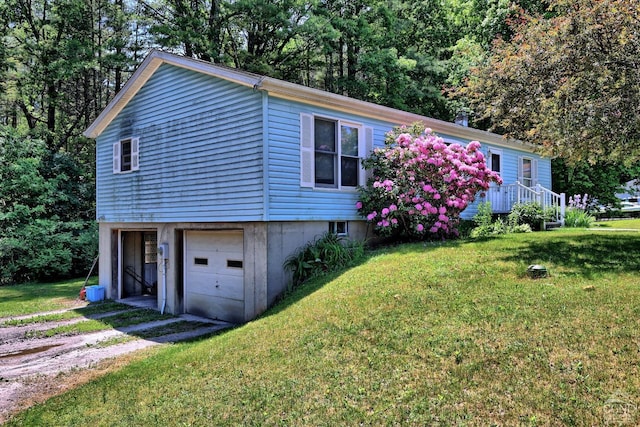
[117,155]
[333,228]
[307,151]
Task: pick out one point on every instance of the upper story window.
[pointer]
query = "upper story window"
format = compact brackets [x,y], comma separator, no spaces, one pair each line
[331,152]
[126,155]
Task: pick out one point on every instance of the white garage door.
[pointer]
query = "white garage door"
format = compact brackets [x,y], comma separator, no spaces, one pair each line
[214,274]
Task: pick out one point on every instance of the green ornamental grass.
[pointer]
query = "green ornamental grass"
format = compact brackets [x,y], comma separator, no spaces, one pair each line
[578,218]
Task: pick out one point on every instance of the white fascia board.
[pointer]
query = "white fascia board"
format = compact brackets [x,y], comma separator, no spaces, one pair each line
[122,98]
[151,63]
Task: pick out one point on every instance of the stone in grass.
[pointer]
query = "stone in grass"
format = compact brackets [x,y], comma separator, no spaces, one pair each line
[537,271]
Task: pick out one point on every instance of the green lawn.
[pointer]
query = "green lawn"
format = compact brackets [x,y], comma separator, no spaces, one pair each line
[620,224]
[425,334]
[37,297]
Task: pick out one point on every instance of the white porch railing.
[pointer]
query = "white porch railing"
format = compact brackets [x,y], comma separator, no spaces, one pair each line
[503,198]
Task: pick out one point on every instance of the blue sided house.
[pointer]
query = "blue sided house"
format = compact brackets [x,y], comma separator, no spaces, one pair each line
[208,178]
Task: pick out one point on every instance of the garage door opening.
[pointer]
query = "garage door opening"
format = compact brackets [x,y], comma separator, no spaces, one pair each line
[139,267]
[214,274]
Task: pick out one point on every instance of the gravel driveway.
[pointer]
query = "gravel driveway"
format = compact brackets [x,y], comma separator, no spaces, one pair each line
[34,367]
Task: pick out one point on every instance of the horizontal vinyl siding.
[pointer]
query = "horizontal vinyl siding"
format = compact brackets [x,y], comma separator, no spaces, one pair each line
[200,152]
[544,172]
[287,200]
[511,159]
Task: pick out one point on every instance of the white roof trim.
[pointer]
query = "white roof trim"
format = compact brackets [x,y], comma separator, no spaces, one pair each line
[151,63]
[290,91]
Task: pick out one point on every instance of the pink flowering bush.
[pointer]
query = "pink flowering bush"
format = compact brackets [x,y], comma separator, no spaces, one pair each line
[420,184]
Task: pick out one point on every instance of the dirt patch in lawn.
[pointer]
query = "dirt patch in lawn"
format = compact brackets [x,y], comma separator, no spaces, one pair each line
[45,358]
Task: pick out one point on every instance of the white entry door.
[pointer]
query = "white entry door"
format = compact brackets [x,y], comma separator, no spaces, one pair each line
[496,194]
[214,274]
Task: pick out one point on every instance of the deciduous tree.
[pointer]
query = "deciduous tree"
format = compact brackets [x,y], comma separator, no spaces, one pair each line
[47,226]
[567,81]
[601,181]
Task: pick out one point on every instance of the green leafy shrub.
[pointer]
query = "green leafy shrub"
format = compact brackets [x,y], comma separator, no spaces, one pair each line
[483,220]
[529,213]
[325,254]
[486,226]
[465,227]
[484,215]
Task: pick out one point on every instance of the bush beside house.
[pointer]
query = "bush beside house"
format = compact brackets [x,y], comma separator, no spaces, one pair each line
[419,185]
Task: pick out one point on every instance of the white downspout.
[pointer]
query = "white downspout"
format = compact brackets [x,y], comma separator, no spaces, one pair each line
[163,251]
[164,285]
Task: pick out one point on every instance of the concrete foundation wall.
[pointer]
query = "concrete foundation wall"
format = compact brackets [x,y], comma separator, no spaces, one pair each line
[266,246]
[286,238]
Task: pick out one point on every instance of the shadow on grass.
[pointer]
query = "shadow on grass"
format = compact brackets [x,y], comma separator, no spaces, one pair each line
[583,254]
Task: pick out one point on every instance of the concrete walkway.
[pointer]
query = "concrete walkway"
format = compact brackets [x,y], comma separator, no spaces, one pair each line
[35,357]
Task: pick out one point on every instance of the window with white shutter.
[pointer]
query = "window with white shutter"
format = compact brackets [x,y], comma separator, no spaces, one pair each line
[331,152]
[126,155]
[116,157]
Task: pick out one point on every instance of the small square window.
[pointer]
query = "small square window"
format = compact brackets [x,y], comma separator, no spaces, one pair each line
[339,228]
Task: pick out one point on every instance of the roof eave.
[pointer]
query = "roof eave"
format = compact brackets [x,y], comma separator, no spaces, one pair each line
[289,91]
[311,96]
